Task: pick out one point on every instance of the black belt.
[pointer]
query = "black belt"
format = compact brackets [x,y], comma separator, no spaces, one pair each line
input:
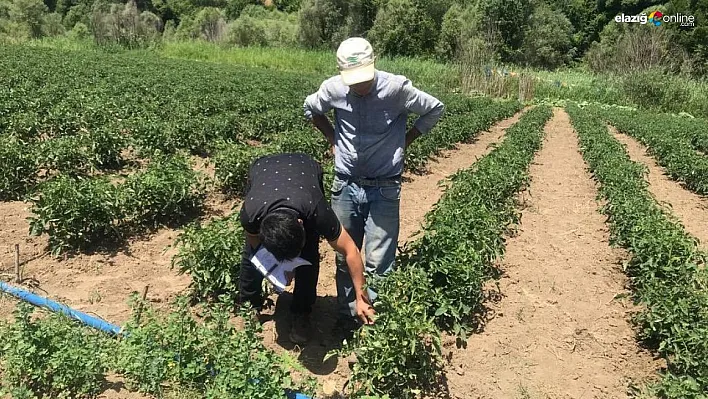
[375,182]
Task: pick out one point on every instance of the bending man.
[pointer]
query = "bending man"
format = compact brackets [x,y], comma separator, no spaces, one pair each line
[285,210]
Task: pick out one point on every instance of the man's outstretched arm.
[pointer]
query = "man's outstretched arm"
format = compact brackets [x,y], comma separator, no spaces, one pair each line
[346,246]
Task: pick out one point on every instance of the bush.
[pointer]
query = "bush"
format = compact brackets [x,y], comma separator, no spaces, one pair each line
[29,14]
[80,31]
[456,24]
[326,23]
[548,39]
[76,213]
[287,5]
[18,168]
[400,353]
[247,31]
[211,255]
[124,25]
[50,357]
[508,21]
[626,48]
[78,14]
[234,8]
[258,26]
[208,24]
[52,25]
[402,28]
[655,90]
[167,191]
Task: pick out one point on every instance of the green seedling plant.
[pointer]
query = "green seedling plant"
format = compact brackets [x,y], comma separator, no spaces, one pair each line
[76,213]
[50,357]
[674,142]
[667,270]
[168,191]
[400,354]
[232,162]
[211,255]
[465,232]
[175,351]
[18,168]
[438,284]
[463,120]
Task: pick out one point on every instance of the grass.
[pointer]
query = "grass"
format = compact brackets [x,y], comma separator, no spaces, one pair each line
[578,85]
[426,73]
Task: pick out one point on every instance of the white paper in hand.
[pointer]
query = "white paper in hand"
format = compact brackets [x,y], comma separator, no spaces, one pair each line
[278,273]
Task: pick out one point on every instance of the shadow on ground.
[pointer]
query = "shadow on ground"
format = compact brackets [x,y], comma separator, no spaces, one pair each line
[323,339]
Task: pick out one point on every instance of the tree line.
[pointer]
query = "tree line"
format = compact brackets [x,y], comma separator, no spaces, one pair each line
[536,33]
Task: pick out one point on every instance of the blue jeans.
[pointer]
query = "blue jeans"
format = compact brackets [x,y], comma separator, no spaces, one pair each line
[369,211]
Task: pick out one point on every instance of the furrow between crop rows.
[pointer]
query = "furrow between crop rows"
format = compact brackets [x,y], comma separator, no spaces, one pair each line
[438,285]
[666,269]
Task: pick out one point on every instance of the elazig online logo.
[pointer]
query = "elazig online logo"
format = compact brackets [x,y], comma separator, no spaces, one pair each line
[657,18]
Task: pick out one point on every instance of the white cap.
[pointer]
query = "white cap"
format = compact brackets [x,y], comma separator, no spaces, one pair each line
[355,59]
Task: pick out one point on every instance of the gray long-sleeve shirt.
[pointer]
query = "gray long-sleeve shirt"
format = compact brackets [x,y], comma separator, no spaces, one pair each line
[370,131]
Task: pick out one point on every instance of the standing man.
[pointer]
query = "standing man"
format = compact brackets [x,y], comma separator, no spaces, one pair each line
[369,136]
[285,210]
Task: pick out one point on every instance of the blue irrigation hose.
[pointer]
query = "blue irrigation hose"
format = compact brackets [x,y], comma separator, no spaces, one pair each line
[37,300]
[88,320]
[296,395]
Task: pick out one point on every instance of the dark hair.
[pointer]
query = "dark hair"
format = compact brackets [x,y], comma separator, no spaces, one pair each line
[282,234]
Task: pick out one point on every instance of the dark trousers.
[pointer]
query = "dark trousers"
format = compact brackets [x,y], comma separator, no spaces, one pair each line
[306,277]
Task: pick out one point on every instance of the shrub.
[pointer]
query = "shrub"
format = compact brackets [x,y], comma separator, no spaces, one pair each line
[208,24]
[78,14]
[400,353]
[326,23]
[29,14]
[211,255]
[124,25]
[52,25]
[401,28]
[655,90]
[247,31]
[80,31]
[76,212]
[548,40]
[167,191]
[18,168]
[260,27]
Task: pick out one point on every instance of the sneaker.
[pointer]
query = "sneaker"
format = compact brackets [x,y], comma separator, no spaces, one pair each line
[301,329]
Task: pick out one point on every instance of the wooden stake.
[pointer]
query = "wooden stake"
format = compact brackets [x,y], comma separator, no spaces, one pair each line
[140,305]
[18,272]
